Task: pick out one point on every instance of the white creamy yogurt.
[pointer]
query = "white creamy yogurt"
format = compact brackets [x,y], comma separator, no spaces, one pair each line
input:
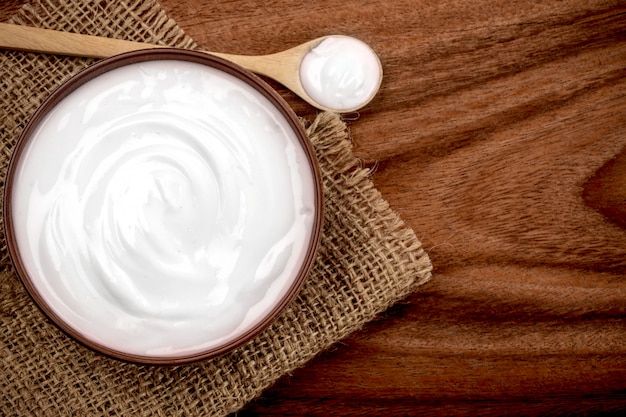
[341,73]
[163,208]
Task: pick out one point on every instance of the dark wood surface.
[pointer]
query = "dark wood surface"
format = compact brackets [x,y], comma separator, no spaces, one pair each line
[499,135]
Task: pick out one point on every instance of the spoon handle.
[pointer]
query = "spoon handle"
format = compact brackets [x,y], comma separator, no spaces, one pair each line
[32,39]
[279,66]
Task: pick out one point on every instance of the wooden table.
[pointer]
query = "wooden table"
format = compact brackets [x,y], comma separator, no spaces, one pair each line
[500,137]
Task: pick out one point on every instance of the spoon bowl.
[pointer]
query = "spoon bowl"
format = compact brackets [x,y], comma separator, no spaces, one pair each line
[344,76]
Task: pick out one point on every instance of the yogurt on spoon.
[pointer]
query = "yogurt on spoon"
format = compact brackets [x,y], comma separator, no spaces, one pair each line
[341,73]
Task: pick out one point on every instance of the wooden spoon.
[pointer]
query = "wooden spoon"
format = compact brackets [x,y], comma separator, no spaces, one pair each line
[283,67]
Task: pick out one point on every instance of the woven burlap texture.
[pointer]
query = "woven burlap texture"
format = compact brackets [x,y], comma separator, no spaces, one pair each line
[367,261]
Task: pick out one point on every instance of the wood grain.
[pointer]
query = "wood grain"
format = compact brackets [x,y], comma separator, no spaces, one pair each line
[500,137]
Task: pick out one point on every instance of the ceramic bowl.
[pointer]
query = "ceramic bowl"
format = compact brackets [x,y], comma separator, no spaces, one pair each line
[163,206]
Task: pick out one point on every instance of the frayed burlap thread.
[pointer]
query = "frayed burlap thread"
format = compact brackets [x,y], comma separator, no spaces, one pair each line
[368,260]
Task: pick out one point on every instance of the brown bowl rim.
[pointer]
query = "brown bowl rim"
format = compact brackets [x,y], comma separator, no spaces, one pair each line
[133,57]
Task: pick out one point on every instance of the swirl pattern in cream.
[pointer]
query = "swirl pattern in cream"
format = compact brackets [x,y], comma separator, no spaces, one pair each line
[163,207]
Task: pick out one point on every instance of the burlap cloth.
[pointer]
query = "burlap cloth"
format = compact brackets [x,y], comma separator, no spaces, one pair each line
[368,260]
